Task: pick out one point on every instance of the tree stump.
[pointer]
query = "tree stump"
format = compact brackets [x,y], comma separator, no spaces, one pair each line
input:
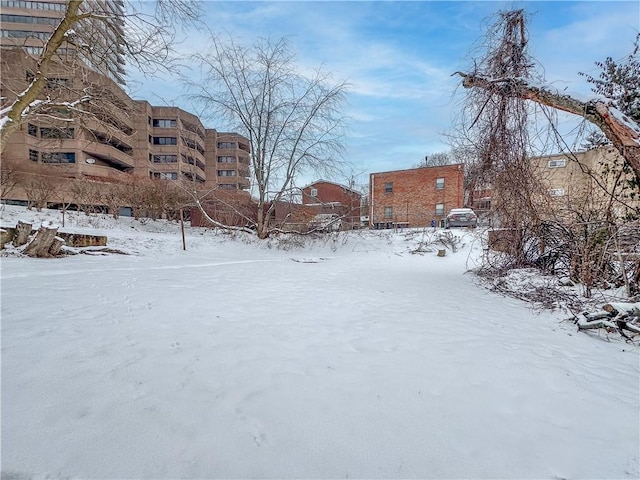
[23,230]
[442,253]
[56,246]
[43,241]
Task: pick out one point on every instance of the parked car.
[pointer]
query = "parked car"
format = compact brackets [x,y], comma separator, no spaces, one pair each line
[461,217]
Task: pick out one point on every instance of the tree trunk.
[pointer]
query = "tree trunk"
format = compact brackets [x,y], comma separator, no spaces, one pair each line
[41,245]
[56,246]
[624,135]
[23,230]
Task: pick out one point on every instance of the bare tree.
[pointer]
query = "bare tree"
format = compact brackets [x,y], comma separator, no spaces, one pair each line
[496,133]
[10,178]
[293,122]
[437,159]
[616,116]
[95,31]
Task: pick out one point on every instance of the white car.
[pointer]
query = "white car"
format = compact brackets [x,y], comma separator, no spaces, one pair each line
[461,217]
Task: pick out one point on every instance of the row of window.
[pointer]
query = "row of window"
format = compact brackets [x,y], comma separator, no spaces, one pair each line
[60,52]
[29,19]
[226,173]
[388,186]
[226,159]
[47,132]
[165,123]
[24,34]
[439,210]
[164,175]
[174,141]
[58,7]
[226,144]
[52,157]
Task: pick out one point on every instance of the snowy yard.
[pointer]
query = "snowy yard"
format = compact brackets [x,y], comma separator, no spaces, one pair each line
[349,358]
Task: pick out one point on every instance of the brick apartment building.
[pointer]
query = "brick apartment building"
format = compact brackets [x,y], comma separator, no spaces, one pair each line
[120,140]
[414,197]
[116,139]
[331,197]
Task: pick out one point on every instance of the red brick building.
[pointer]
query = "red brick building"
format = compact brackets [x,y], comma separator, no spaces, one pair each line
[414,197]
[330,197]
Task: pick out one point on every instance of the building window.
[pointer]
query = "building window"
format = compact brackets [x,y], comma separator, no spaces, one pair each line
[165,159]
[164,123]
[228,186]
[226,159]
[32,130]
[29,19]
[388,187]
[557,163]
[46,132]
[314,192]
[226,144]
[165,141]
[32,5]
[33,155]
[59,157]
[388,212]
[226,173]
[439,183]
[439,208]
[25,34]
[556,192]
[58,83]
[165,175]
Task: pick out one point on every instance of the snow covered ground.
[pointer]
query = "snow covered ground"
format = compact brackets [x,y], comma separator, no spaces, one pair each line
[347,358]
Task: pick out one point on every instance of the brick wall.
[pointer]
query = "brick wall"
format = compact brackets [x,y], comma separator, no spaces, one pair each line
[410,197]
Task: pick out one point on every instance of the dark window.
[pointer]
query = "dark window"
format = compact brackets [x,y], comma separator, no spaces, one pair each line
[164,123]
[59,157]
[226,144]
[226,159]
[388,212]
[165,175]
[165,141]
[228,186]
[46,132]
[32,130]
[165,159]
[58,82]
[388,187]
[33,155]
[29,19]
[226,173]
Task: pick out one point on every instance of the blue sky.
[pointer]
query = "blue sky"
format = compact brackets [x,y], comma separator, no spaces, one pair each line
[398,58]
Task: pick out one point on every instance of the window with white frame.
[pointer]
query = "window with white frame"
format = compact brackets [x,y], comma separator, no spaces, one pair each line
[314,192]
[388,187]
[440,183]
[556,192]
[388,212]
[557,163]
[439,208]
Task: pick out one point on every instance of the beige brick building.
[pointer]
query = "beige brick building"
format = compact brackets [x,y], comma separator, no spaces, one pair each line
[587,181]
[414,197]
